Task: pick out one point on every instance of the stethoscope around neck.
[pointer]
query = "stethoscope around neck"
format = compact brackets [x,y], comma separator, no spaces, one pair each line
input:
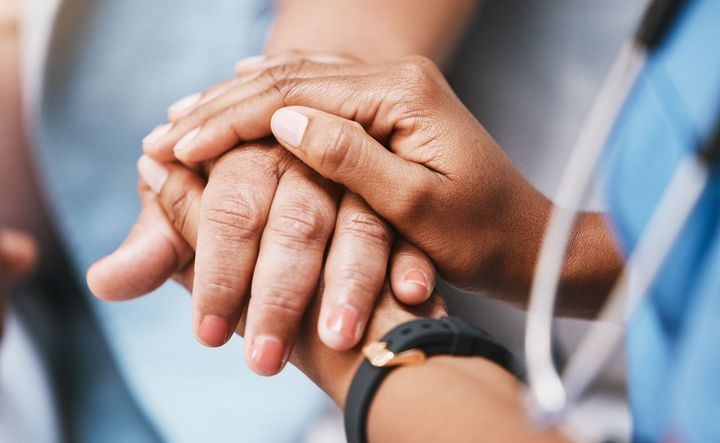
[551,396]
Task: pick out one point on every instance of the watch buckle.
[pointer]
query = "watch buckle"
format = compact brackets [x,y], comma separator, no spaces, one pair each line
[380,356]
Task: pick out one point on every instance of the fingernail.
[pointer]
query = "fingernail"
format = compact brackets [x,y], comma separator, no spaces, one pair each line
[184,142]
[343,322]
[184,104]
[156,134]
[152,172]
[289,126]
[416,280]
[248,61]
[213,331]
[417,277]
[268,354]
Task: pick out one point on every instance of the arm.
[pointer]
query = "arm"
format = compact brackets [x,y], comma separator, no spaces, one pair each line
[372,30]
[452,399]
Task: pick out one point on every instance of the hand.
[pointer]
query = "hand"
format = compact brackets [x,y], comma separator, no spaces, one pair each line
[18,254]
[448,183]
[444,181]
[169,226]
[261,224]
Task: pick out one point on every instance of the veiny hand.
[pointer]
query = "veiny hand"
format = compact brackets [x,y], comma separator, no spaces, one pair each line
[18,254]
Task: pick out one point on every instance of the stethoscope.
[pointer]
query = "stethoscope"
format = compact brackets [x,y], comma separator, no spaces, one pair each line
[551,396]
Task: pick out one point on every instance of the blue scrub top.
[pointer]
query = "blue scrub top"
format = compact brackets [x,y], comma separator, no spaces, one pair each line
[674,337]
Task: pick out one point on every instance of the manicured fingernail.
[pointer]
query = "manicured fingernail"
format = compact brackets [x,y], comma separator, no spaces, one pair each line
[416,281]
[184,142]
[268,354]
[289,126]
[343,322]
[184,104]
[248,61]
[153,173]
[156,134]
[213,331]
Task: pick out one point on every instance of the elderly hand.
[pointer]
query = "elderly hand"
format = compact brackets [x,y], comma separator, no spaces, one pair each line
[265,223]
[164,239]
[18,254]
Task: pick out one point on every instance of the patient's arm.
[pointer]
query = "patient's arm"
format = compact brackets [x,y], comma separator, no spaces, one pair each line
[373,30]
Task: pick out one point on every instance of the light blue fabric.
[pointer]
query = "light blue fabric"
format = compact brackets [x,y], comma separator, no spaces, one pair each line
[674,338]
[114,67]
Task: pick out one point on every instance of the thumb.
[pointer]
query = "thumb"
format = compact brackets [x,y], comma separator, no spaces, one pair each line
[150,255]
[341,150]
[155,248]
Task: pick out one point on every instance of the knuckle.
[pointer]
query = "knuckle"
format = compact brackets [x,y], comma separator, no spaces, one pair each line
[418,69]
[359,282]
[367,227]
[254,157]
[282,79]
[300,224]
[280,303]
[281,72]
[234,220]
[179,209]
[418,77]
[219,282]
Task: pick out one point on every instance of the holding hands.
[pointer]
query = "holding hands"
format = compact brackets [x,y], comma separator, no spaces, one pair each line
[248,225]
[262,223]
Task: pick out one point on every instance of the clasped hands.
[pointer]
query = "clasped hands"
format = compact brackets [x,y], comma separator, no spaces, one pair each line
[306,172]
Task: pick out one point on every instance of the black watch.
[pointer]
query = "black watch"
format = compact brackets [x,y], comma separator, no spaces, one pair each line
[412,343]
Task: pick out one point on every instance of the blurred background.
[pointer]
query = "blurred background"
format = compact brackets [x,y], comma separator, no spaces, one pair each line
[529,71]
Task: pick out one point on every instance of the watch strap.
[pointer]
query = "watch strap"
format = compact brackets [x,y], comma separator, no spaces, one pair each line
[445,336]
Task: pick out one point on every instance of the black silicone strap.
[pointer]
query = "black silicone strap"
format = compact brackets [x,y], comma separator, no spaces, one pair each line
[446,336]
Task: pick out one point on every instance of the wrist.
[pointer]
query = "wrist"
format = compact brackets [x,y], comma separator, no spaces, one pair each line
[507,246]
[333,371]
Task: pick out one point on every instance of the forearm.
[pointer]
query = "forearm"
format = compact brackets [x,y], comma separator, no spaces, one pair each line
[372,30]
[451,399]
[592,262]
